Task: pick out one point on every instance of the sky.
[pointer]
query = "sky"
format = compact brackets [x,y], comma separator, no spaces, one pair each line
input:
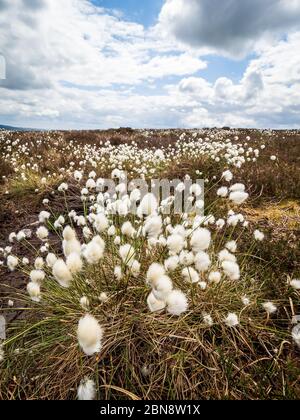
[87,64]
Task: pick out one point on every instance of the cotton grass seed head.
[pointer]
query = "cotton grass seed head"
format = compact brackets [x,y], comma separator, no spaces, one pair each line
[177,303]
[89,334]
[86,390]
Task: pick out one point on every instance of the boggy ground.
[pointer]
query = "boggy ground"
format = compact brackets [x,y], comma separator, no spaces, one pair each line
[182,362]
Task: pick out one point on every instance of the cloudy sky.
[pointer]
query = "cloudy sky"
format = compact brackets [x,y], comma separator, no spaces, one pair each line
[151,63]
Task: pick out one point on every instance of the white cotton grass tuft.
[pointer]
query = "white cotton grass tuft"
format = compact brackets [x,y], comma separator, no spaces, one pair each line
[258,235]
[237,187]
[232,320]
[12,262]
[231,270]
[38,263]
[231,246]
[171,263]
[94,250]
[34,291]
[42,233]
[238,197]
[222,192]
[86,390]
[177,303]
[214,277]
[89,334]
[118,272]
[227,175]
[128,230]
[225,255]
[295,284]
[202,262]
[207,319]
[135,268]
[148,205]
[175,244]
[69,233]
[74,263]
[84,303]
[296,334]
[103,297]
[51,259]
[155,271]
[127,253]
[162,287]
[37,276]
[186,258]
[154,304]
[200,240]
[190,275]
[61,273]
[245,300]
[269,307]
[153,226]
[101,223]
[70,242]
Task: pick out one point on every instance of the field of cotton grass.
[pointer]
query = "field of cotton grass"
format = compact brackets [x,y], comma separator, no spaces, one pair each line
[100,302]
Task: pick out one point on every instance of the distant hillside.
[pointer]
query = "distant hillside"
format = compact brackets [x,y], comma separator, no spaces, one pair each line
[10,128]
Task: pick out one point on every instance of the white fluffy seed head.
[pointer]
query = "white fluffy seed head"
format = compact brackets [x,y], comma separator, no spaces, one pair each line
[225,255]
[12,262]
[238,197]
[86,390]
[84,303]
[200,240]
[237,187]
[186,258]
[37,276]
[128,230]
[34,291]
[258,236]
[171,263]
[175,244]
[94,250]
[147,206]
[153,226]
[38,263]
[118,272]
[176,303]
[61,273]
[232,320]
[295,284]
[101,223]
[154,304]
[74,263]
[89,334]
[127,253]
[231,246]
[42,233]
[69,233]
[222,192]
[202,261]
[154,272]
[190,275]
[231,270]
[214,277]
[269,307]
[162,287]
[51,259]
[71,246]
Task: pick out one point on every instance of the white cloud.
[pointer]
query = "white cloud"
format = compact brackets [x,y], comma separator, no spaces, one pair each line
[73,65]
[232,27]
